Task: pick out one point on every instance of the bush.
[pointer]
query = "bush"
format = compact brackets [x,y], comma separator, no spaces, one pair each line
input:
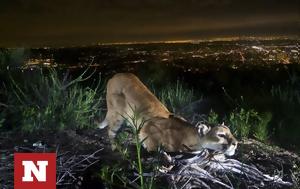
[241,121]
[50,103]
[261,129]
[176,96]
[246,123]
[213,118]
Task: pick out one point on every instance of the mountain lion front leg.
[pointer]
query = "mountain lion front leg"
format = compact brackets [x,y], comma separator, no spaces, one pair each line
[114,117]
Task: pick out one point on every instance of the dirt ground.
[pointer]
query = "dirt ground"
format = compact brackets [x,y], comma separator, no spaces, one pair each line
[268,159]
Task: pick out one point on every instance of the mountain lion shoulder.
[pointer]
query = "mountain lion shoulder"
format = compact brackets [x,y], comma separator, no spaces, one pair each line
[162,128]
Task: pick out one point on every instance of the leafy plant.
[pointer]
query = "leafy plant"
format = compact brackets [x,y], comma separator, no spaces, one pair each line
[176,96]
[242,122]
[50,103]
[114,176]
[121,172]
[136,123]
[213,118]
[261,129]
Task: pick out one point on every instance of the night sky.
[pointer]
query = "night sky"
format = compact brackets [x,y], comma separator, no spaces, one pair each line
[78,22]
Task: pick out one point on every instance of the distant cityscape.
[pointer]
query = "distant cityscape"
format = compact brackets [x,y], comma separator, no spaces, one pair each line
[187,55]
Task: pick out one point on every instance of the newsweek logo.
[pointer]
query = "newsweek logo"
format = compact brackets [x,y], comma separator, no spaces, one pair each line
[35,171]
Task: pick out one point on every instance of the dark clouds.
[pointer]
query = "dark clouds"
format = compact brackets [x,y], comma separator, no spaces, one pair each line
[41,22]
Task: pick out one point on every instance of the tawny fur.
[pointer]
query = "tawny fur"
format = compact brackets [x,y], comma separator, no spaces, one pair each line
[125,93]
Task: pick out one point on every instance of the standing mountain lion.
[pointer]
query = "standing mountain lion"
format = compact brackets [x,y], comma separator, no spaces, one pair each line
[162,128]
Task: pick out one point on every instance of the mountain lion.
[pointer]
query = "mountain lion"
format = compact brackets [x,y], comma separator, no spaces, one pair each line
[161,128]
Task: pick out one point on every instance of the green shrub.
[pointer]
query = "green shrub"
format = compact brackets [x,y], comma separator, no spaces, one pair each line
[50,103]
[240,122]
[213,118]
[176,96]
[246,123]
[261,128]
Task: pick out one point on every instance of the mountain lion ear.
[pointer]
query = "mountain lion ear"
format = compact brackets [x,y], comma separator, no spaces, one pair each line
[223,125]
[202,129]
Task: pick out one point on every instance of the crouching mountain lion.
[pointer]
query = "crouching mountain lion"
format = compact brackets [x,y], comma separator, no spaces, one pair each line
[162,128]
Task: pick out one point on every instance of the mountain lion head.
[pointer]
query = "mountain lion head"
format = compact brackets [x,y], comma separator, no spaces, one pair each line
[218,138]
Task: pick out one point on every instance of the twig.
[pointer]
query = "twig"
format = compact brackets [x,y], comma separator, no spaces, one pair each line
[204,171]
[2,104]
[69,167]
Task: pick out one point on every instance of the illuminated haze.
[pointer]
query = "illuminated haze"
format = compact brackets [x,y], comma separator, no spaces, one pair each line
[74,22]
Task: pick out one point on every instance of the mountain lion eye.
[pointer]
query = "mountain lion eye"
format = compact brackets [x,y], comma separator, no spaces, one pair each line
[222,135]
